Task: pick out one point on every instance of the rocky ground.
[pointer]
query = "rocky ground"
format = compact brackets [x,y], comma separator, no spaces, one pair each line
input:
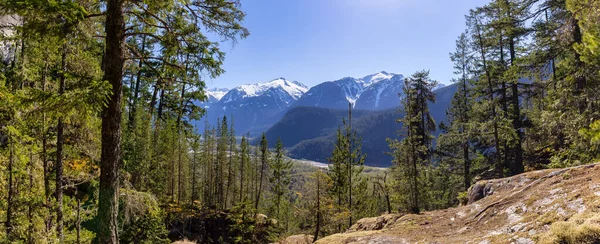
[546,206]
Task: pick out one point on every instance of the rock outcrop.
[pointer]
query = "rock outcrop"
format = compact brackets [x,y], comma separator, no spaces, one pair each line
[297,239]
[546,206]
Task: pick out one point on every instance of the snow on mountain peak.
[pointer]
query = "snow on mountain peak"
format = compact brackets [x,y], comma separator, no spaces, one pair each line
[294,89]
[217,93]
[374,78]
[439,85]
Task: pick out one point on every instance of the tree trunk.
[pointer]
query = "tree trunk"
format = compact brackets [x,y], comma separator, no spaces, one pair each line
[9,197]
[155,91]
[111,125]
[30,204]
[499,165]
[318,225]
[59,153]
[580,79]
[179,166]
[160,106]
[387,195]
[467,166]
[517,166]
[78,220]
[229,170]
[172,174]
[136,89]
[193,197]
[350,168]
[465,119]
[48,219]
[262,170]
[242,153]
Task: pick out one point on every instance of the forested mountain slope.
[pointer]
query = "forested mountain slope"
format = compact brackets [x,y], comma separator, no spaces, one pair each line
[309,132]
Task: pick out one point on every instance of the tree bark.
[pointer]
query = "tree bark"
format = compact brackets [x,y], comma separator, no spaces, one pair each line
[465,119]
[350,168]
[193,173]
[229,172]
[517,166]
[179,166]
[31,229]
[111,125]
[9,198]
[499,165]
[259,188]
[136,89]
[78,220]
[387,195]
[318,225]
[242,162]
[59,152]
[47,190]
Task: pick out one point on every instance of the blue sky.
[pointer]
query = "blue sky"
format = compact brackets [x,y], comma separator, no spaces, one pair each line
[314,41]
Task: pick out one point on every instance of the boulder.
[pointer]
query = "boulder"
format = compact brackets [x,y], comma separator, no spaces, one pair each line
[297,239]
[478,191]
[375,223]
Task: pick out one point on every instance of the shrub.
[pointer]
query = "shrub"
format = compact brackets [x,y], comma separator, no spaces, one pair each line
[582,229]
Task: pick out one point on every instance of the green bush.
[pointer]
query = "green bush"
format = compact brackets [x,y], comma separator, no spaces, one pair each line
[149,228]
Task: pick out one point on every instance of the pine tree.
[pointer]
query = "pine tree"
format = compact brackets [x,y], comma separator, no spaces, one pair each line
[264,161]
[244,159]
[232,164]
[318,187]
[338,172]
[413,152]
[114,59]
[280,178]
[457,137]
[347,162]
[354,165]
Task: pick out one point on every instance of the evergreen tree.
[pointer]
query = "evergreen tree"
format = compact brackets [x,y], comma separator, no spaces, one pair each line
[347,162]
[280,179]
[413,152]
[264,161]
[457,136]
[319,202]
[338,172]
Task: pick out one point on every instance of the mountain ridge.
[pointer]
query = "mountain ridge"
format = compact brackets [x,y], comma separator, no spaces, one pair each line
[256,107]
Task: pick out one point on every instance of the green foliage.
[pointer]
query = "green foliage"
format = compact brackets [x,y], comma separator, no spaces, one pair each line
[347,162]
[149,228]
[412,154]
[463,197]
[280,181]
[142,218]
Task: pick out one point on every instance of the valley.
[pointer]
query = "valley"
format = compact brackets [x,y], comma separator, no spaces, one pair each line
[306,121]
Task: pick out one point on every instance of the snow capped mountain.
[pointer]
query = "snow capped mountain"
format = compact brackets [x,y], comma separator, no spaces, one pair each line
[439,86]
[380,89]
[382,94]
[374,78]
[215,94]
[255,106]
[293,89]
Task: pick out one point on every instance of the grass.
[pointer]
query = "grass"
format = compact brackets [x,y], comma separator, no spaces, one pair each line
[581,229]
